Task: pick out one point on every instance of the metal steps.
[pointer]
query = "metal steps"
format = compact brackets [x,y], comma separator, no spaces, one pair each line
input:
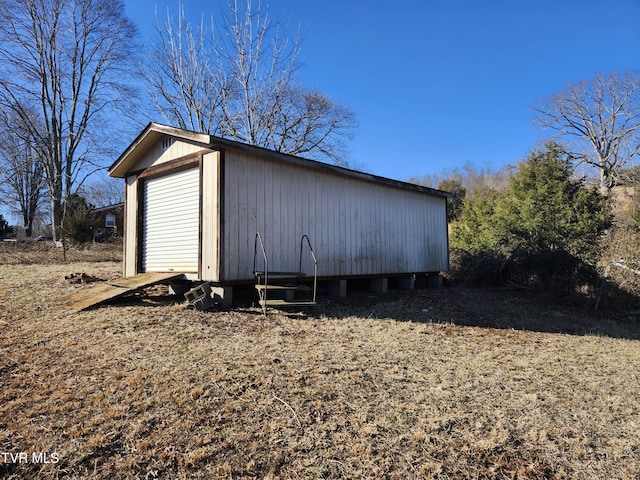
[281,275]
[284,288]
[286,303]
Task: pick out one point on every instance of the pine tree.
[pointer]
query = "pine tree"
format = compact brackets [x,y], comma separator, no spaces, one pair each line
[545,209]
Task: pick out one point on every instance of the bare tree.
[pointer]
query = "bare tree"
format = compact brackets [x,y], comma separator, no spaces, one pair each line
[310,123]
[185,86]
[471,177]
[262,62]
[104,192]
[22,176]
[602,116]
[70,58]
[240,81]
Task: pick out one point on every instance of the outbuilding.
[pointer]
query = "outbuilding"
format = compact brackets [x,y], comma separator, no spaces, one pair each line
[194,204]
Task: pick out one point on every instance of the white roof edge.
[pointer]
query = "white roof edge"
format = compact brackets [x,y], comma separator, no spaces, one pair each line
[116,169]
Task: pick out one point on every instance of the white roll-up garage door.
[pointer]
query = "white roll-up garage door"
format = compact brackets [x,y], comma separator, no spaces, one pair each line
[171,213]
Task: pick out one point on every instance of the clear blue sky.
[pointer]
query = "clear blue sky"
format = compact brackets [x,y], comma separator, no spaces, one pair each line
[436,84]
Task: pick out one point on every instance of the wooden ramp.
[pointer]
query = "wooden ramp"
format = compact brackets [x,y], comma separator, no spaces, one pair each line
[88,297]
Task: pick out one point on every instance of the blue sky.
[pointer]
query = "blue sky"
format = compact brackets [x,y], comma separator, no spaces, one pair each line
[435,84]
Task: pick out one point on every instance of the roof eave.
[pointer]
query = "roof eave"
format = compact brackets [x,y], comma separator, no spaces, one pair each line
[218,143]
[154,131]
[151,134]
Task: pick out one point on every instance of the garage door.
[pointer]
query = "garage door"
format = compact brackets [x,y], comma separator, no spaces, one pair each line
[170,222]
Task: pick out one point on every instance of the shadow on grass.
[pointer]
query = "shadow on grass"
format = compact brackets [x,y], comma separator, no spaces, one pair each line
[500,308]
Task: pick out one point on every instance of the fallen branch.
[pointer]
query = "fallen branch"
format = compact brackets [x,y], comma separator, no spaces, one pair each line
[621,264]
[290,408]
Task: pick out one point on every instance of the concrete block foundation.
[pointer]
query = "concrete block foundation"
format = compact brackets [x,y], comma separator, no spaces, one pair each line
[380,285]
[408,282]
[338,288]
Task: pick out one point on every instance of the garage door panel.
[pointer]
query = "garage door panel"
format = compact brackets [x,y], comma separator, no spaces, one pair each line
[164,220]
[171,222]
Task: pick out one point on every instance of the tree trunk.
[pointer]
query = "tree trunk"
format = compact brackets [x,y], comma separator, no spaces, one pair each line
[28,224]
[605,190]
[56,211]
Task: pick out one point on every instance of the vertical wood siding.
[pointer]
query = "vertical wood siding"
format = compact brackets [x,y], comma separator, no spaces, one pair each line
[210,217]
[356,227]
[158,154]
[130,226]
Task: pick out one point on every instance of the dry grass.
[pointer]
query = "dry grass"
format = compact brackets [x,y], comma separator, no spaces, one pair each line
[370,387]
[46,253]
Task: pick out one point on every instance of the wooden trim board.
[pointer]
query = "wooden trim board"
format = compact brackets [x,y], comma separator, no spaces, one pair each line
[94,295]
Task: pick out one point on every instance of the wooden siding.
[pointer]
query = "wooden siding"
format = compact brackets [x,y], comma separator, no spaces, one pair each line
[158,154]
[356,227]
[130,226]
[210,216]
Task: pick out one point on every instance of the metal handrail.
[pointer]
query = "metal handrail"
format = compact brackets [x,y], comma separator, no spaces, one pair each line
[266,266]
[315,263]
[255,252]
[259,274]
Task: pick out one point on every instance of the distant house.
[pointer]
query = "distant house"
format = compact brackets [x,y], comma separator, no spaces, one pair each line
[110,222]
[194,204]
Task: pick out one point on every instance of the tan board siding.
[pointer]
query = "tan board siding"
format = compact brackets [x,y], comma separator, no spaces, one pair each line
[356,227]
[210,216]
[130,226]
[163,152]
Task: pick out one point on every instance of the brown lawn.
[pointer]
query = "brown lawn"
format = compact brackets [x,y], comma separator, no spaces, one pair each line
[485,384]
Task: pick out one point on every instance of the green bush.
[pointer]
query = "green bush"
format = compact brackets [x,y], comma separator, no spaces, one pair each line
[547,225]
[79,223]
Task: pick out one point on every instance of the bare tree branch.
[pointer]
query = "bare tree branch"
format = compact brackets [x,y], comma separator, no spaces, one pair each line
[186,88]
[21,173]
[71,58]
[602,117]
[239,81]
